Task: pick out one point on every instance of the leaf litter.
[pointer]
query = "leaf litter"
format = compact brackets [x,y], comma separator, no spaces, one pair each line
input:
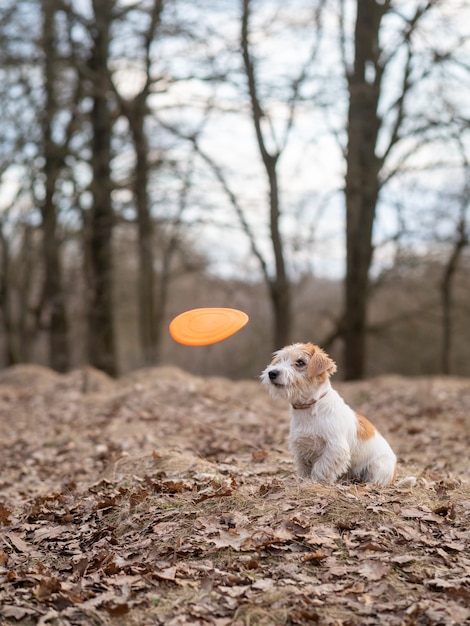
[164,498]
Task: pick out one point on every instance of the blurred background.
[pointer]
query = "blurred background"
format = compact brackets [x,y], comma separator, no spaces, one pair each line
[304,161]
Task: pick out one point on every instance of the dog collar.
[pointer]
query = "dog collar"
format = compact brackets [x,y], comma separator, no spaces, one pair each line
[299,407]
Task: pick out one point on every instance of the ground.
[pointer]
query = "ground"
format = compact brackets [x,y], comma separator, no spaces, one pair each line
[167,499]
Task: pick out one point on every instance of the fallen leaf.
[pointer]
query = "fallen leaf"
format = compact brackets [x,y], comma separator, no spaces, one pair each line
[5,515]
[231,538]
[17,542]
[373,570]
[235,591]
[16,612]
[423,514]
[263,584]
[49,532]
[318,555]
[259,456]
[168,573]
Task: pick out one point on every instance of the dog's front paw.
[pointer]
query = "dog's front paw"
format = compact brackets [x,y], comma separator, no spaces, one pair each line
[323,479]
[331,465]
[303,471]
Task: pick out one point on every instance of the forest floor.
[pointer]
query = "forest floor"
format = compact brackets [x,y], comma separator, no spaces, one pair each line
[167,499]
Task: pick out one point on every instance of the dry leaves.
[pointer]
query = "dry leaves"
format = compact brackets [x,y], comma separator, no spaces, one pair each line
[168,499]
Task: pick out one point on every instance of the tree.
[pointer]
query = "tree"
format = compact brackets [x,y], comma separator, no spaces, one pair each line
[260,95]
[279,286]
[53,297]
[362,179]
[101,336]
[31,289]
[9,348]
[460,242]
[136,110]
[385,130]
[243,85]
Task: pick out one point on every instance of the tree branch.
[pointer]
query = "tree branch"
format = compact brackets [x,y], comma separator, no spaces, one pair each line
[257,111]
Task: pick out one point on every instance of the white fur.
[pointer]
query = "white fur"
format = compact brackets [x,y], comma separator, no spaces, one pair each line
[328,440]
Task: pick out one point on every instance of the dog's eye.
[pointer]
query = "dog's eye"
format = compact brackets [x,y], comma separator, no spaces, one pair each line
[300,363]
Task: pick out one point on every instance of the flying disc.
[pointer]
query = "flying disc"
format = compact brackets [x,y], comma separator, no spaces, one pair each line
[201,327]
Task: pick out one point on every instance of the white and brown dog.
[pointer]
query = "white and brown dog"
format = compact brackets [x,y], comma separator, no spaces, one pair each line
[329,441]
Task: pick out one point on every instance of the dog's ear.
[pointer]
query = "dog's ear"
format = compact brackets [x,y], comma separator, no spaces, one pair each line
[320,363]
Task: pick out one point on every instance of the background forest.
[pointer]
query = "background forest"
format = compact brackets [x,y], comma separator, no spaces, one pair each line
[307,162]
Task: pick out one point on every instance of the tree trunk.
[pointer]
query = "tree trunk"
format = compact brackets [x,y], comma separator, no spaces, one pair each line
[148,322]
[101,337]
[9,337]
[53,294]
[135,110]
[53,297]
[362,182]
[446,295]
[279,285]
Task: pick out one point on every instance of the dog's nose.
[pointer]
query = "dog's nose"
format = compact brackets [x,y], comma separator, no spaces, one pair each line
[273,374]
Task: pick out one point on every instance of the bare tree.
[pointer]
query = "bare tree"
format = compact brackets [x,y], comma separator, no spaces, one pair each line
[460,242]
[279,286]
[101,336]
[272,135]
[373,138]
[278,282]
[362,178]
[6,308]
[136,111]
[237,68]
[53,297]
[32,292]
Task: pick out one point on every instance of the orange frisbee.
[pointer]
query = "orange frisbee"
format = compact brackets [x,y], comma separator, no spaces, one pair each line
[201,327]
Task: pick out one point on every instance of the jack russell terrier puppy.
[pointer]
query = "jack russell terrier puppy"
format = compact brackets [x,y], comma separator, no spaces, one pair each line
[328,440]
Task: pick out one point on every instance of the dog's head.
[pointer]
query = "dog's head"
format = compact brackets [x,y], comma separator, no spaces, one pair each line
[297,370]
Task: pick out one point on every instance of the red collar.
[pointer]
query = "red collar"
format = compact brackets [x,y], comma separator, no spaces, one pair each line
[299,407]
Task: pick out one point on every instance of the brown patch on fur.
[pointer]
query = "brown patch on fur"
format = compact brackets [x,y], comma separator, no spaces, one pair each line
[320,363]
[323,377]
[365,430]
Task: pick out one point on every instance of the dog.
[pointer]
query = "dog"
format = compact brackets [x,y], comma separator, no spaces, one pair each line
[328,440]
